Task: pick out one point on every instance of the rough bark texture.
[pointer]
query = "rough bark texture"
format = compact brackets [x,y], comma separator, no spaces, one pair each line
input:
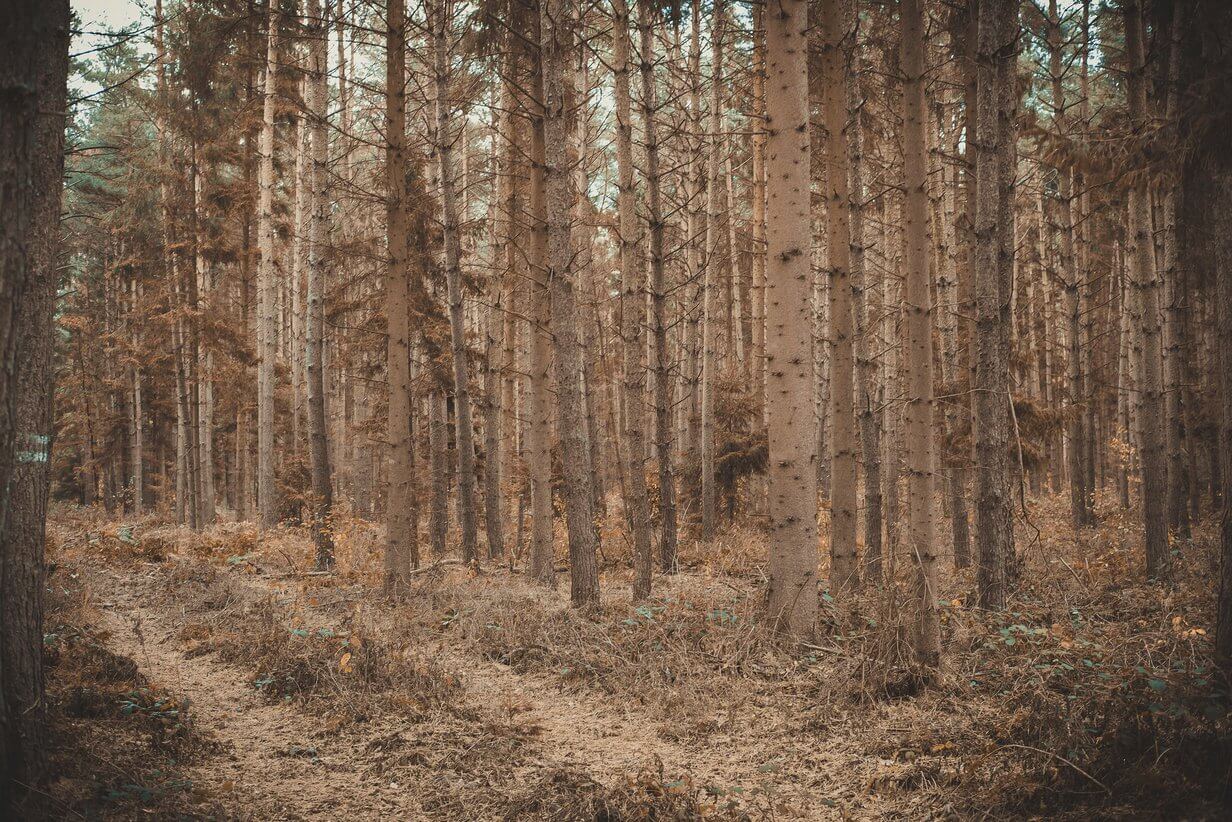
[658,298]
[539,398]
[33,75]
[757,123]
[557,43]
[994,534]
[921,530]
[400,542]
[632,311]
[717,272]
[1144,293]
[844,565]
[789,355]
[267,290]
[464,426]
[314,332]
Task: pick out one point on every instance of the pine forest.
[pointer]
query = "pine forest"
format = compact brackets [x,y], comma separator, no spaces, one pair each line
[615,409]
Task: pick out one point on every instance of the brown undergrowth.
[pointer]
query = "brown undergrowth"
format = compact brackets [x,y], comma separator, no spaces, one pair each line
[1093,695]
[120,743]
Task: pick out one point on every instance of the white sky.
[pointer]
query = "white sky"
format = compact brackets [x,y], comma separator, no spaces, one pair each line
[101,15]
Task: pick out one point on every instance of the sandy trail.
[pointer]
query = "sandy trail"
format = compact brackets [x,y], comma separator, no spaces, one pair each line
[278,762]
[281,762]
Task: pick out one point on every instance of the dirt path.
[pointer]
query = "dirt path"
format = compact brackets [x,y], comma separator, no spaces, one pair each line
[278,762]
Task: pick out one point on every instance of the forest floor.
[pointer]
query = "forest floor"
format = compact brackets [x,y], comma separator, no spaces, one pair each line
[213,675]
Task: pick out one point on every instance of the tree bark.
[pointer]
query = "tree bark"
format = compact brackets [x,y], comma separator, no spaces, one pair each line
[632,310]
[314,332]
[539,399]
[921,531]
[658,297]
[994,534]
[844,562]
[33,98]
[789,354]
[464,427]
[267,290]
[558,39]
[1144,292]
[401,545]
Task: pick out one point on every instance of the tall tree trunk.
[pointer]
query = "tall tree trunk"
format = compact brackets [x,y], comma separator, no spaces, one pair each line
[994,533]
[314,332]
[632,311]
[866,363]
[401,545]
[717,272]
[33,98]
[844,562]
[267,290]
[557,42]
[921,531]
[789,354]
[1080,495]
[539,401]
[1144,292]
[658,297]
[136,419]
[465,431]
[757,124]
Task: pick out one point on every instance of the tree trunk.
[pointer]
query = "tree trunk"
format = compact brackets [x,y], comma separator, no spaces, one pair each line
[539,401]
[33,98]
[267,291]
[789,354]
[401,548]
[632,313]
[557,41]
[314,332]
[844,562]
[921,530]
[716,275]
[658,298]
[994,534]
[438,448]
[757,125]
[866,362]
[464,428]
[1144,292]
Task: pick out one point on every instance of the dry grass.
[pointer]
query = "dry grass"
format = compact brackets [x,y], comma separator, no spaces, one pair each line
[357,671]
[121,744]
[1093,694]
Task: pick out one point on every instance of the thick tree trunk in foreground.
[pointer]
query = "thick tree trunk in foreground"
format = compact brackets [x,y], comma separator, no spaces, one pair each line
[33,75]
[789,354]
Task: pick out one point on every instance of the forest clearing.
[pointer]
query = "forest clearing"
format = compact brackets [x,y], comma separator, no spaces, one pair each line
[595,411]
